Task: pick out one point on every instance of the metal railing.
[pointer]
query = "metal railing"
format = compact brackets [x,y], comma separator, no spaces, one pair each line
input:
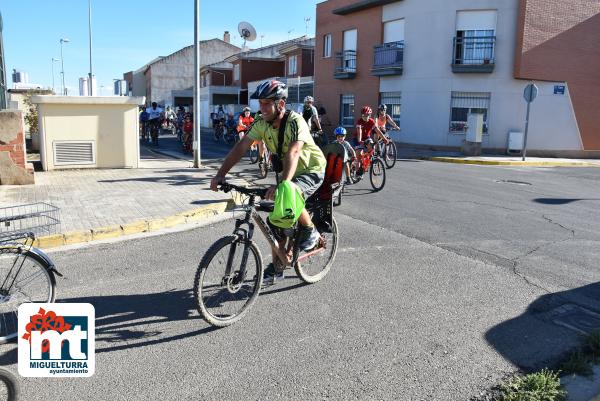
[345,61]
[475,50]
[388,55]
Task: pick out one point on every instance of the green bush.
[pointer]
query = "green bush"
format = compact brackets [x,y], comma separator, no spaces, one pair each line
[576,363]
[539,386]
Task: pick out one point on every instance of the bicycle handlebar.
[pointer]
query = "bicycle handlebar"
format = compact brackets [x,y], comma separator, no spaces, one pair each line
[260,192]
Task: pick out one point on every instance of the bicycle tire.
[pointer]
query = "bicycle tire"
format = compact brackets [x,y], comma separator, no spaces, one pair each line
[389,155]
[263,169]
[377,174]
[205,302]
[253,155]
[309,270]
[354,174]
[11,299]
[10,383]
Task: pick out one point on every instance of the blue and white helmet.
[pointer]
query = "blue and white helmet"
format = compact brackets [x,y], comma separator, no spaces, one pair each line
[340,131]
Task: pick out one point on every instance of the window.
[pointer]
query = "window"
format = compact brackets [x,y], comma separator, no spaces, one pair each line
[236,72]
[292,62]
[464,103]
[203,81]
[392,100]
[347,111]
[207,83]
[475,47]
[327,45]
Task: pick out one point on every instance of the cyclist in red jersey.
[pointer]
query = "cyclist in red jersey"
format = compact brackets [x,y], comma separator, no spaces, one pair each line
[364,128]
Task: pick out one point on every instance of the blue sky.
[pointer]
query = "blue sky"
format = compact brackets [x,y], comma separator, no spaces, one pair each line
[127,34]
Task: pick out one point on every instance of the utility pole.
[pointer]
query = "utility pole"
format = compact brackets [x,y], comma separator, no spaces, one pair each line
[196,84]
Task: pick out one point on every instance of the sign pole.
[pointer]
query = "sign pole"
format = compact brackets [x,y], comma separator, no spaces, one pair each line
[529,94]
[526,129]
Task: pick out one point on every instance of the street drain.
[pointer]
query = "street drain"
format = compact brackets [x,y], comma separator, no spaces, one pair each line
[512,182]
[575,318]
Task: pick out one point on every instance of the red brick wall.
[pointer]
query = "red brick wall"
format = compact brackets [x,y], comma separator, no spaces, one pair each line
[364,86]
[255,70]
[16,149]
[559,40]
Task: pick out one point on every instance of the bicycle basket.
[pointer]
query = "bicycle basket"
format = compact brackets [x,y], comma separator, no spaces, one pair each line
[322,214]
[37,218]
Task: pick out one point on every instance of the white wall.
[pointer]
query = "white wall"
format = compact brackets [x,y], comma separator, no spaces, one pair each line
[428,80]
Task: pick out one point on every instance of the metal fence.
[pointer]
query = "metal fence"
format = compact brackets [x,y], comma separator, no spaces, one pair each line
[388,55]
[474,50]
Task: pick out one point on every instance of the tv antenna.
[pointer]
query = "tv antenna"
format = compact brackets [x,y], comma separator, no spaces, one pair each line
[247,32]
[306,21]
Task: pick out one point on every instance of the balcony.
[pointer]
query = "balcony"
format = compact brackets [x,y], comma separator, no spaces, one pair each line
[388,59]
[345,65]
[474,54]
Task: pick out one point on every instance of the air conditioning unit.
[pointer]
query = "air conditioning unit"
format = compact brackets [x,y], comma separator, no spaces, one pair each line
[515,142]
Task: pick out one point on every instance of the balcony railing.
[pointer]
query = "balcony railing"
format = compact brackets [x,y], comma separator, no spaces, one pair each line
[388,59]
[474,54]
[345,64]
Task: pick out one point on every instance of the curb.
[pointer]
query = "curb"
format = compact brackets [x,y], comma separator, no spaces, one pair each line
[508,163]
[142,226]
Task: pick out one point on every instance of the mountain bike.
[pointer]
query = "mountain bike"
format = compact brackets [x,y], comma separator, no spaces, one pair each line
[387,151]
[229,276]
[368,160]
[27,274]
[9,386]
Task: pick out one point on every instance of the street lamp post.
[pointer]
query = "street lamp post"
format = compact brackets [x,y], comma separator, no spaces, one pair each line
[53,60]
[196,84]
[62,64]
[90,29]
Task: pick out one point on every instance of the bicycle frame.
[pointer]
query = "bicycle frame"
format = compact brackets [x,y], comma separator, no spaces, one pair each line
[286,253]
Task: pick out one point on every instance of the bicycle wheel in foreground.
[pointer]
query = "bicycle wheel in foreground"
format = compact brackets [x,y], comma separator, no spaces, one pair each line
[224,299]
[377,174]
[24,277]
[389,155]
[314,267]
[9,387]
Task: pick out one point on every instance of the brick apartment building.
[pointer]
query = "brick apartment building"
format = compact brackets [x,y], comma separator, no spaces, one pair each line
[434,62]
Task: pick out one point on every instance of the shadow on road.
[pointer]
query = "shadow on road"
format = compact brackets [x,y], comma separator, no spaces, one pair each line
[133,321]
[562,201]
[550,327]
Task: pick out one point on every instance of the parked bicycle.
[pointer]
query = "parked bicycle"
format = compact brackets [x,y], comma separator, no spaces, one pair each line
[9,386]
[27,274]
[229,277]
[368,160]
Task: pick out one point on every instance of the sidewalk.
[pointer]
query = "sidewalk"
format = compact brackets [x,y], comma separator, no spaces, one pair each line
[405,152]
[98,204]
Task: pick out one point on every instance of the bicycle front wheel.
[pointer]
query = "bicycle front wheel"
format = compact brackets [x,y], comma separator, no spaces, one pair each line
[390,153]
[377,174]
[24,278]
[263,168]
[316,266]
[253,155]
[9,387]
[224,287]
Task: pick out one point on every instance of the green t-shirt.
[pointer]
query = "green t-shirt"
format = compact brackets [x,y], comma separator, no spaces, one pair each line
[311,158]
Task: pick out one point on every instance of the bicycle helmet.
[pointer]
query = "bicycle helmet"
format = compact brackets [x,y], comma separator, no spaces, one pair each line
[273,90]
[382,107]
[366,110]
[246,109]
[308,99]
[340,131]
[368,140]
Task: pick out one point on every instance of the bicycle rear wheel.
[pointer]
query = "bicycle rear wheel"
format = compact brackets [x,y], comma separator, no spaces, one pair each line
[313,268]
[389,155]
[9,387]
[377,174]
[263,168]
[24,278]
[224,299]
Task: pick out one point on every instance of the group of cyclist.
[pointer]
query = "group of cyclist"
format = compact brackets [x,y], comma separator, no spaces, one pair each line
[300,161]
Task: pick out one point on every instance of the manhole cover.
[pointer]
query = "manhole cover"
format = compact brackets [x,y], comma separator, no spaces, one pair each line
[512,182]
[575,317]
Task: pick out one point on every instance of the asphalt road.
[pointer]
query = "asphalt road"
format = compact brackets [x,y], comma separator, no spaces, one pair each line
[445,281]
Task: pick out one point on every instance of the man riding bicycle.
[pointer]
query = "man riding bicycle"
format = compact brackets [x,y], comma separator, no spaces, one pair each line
[154,120]
[302,162]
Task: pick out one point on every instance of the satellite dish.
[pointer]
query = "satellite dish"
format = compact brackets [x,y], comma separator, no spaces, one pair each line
[246,31]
